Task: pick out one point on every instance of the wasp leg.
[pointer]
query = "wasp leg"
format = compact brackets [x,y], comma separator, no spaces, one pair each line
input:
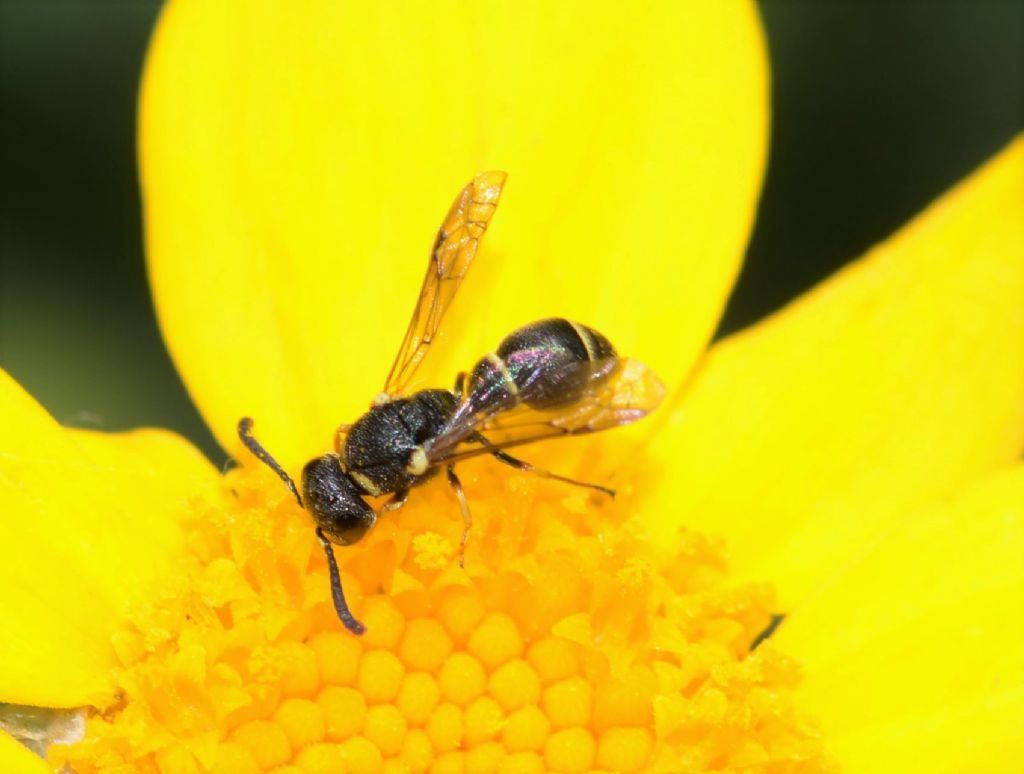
[340,605]
[519,464]
[460,383]
[339,438]
[467,518]
[398,499]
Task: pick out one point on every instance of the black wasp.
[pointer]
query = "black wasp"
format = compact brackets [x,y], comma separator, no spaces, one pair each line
[547,379]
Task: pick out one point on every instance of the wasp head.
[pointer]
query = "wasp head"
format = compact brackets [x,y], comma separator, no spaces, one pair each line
[334,501]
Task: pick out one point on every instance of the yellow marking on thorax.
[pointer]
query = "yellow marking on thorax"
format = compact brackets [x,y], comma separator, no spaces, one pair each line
[365,483]
[418,462]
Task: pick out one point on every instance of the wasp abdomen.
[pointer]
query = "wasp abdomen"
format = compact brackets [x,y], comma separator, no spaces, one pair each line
[546,364]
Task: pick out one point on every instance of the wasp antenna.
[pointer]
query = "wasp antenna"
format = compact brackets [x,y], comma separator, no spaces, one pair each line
[245,434]
[340,605]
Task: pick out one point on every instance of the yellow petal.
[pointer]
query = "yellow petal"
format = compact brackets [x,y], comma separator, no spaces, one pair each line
[150,467]
[15,758]
[913,659]
[897,381]
[89,522]
[297,163]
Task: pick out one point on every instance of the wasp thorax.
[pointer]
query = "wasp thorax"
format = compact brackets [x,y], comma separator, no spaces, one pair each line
[380,447]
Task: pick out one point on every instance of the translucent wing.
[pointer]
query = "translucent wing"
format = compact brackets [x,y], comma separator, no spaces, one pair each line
[454,249]
[621,391]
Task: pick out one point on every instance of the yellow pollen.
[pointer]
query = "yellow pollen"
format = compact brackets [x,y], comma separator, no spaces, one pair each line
[385,624]
[461,679]
[568,644]
[417,697]
[385,726]
[483,720]
[303,722]
[444,727]
[337,657]
[265,741]
[460,612]
[321,759]
[527,729]
[495,640]
[635,573]
[425,645]
[417,750]
[380,676]
[554,659]
[624,749]
[432,551]
[522,763]
[569,703]
[515,685]
[361,756]
[488,756]
[571,750]
[344,711]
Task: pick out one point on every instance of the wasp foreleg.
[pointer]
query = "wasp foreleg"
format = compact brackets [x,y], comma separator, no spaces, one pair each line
[398,499]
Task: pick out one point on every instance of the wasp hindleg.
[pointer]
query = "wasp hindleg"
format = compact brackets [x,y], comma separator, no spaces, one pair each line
[527,467]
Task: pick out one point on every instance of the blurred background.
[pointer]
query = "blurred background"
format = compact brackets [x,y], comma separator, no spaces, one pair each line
[878,108]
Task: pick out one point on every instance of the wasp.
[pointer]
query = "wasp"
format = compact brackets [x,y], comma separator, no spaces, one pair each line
[548,379]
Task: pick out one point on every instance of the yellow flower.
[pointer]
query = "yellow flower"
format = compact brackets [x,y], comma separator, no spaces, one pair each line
[852,462]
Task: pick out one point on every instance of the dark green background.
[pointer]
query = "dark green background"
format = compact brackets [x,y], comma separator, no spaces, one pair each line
[878,107]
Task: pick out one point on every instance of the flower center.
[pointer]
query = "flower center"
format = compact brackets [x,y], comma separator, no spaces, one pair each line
[567,644]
